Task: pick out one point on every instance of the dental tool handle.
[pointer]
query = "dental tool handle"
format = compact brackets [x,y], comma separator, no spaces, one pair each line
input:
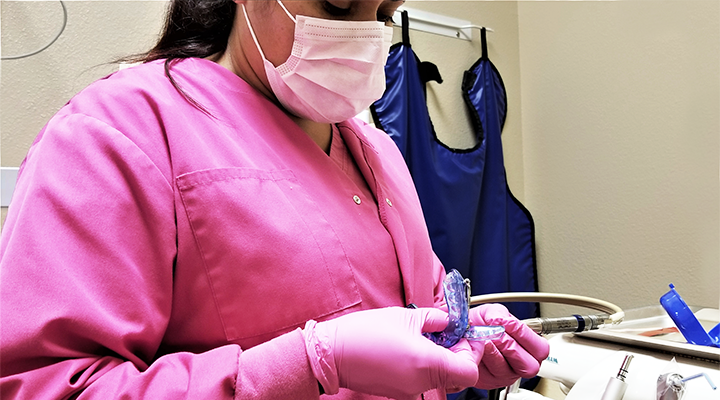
[616,386]
[615,390]
[575,323]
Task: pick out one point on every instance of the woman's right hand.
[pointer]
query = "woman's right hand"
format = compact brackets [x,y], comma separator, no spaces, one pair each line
[517,354]
[382,352]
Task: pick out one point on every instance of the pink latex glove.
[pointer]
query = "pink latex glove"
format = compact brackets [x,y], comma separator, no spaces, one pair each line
[382,352]
[516,354]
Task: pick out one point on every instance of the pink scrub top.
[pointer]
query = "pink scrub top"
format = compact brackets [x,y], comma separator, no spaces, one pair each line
[157,250]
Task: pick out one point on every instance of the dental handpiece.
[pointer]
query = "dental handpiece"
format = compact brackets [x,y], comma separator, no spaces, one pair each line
[616,386]
[576,323]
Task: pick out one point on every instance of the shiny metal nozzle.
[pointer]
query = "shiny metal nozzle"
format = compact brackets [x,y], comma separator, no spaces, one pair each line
[575,323]
[622,374]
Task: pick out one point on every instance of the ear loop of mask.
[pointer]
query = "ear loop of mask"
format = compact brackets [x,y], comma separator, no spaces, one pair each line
[252,31]
[286,11]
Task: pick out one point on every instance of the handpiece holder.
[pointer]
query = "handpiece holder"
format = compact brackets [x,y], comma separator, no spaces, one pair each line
[686,321]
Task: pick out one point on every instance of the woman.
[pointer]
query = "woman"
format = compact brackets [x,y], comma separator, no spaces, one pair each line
[214,224]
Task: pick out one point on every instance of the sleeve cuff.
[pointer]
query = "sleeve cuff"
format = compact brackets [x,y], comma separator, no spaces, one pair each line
[322,361]
[277,369]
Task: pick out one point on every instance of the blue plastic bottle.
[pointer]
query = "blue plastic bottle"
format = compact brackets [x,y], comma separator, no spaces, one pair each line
[686,321]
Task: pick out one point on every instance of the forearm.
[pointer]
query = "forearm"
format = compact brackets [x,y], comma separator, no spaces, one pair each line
[210,375]
[277,369]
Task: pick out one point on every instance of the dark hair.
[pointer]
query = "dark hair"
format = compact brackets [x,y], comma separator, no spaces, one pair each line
[193,28]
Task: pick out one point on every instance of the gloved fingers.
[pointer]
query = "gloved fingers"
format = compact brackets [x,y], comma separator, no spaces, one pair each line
[496,314]
[494,361]
[522,363]
[382,352]
[489,381]
[533,343]
[433,319]
[494,370]
[476,316]
[463,347]
[461,366]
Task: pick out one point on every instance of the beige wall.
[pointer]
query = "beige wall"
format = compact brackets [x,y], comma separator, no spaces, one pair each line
[34,88]
[611,139]
[620,122]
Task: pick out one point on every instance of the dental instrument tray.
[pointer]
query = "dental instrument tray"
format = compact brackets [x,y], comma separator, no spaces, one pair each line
[651,328]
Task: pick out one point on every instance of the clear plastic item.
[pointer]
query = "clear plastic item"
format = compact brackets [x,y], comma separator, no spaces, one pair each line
[686,321]
[457,298]
[671,385]
[487,332]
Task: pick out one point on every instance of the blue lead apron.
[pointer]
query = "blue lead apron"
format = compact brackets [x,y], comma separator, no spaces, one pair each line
[476,225]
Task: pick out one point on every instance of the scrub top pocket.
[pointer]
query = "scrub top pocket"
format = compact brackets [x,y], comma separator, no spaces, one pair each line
[272,259]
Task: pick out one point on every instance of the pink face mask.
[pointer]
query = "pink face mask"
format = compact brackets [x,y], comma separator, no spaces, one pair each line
[335,70]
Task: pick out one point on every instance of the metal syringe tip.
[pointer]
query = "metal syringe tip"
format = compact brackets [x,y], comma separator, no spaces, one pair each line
[624,367]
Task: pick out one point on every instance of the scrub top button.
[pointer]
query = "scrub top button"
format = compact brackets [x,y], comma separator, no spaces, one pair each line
[356,199]
[387,200]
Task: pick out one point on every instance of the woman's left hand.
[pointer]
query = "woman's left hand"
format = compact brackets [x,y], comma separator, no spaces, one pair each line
[517,354]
